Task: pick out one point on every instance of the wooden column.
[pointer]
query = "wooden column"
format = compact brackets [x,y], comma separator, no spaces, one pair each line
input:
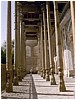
[72,7]
[9,87]
[39,67]
[24,50]
[18,41]
[52,80]
[15,82]
[39,49]
[62,87]
[32,56]
[45,46]
[42,49]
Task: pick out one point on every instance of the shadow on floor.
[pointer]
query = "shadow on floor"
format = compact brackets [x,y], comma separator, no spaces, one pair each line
[34,93]
[11,98]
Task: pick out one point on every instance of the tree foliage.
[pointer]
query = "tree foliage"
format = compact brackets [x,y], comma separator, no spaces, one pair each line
[3,53]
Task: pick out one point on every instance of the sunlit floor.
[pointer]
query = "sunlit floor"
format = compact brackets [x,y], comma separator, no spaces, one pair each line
[35,87]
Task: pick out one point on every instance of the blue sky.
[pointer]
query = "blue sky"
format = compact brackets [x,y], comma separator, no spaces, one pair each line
[4,20]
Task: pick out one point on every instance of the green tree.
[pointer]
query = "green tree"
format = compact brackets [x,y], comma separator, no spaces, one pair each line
[3,53]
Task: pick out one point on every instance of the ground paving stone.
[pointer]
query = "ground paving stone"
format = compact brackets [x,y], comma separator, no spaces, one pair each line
[47,91]
[35,87]
[21,91]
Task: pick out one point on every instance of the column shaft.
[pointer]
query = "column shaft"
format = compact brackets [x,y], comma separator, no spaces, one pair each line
[59,47]
[39,50]
[24,52]
[42,51]
[45,46]
[15,82]
[50,44]
[72,4]
[39,67]
[9,68]
[18,41]
[39,53]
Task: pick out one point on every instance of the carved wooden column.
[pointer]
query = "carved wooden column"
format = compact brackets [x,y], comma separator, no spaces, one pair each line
[72,5]
[15,81]
[45,46]
[42,50]
[32,56]
[62,87]
[18,40]
[24,50]
[9,87]
[39,63]
[52,80]
[39,50]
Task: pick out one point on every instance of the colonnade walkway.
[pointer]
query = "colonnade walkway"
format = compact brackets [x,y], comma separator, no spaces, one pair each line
[35,87]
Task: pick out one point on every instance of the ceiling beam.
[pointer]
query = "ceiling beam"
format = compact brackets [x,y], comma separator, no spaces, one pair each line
[62,1]
[31,25]
[31,19]
[30,9]
[31,38]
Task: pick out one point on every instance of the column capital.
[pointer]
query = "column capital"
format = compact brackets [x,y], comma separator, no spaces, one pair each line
[47,2]
[56,5]
[43,8]
[18,3]
[21,12]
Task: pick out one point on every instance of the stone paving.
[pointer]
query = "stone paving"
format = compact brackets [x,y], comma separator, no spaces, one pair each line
[35,87]
[47,91]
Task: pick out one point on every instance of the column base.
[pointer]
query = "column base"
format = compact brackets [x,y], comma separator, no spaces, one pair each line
[22,74]
[9,87]
[43,74]
[15,81]
[52,80]
[38,72]
[25,73]
[19,74]
[62,87]
[47,75]
[19,78]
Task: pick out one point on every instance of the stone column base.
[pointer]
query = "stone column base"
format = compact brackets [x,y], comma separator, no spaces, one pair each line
[47,75]
[40,72]
[52,77]
[15,81]
[9,87]
[62,87]
[44,73]
[52,80]
[19,74]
